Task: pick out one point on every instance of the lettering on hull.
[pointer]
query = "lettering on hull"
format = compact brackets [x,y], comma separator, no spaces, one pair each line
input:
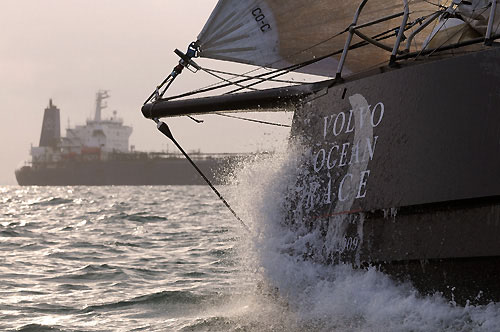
[338,175]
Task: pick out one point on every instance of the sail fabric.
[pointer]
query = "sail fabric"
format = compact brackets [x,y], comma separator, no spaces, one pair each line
[279,33]
[470,21]
[450,31]
[477,14]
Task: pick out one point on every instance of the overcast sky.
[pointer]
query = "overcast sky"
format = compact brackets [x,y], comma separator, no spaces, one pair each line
[68,49]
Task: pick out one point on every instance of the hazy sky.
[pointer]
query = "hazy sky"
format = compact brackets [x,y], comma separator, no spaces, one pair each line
[68,49]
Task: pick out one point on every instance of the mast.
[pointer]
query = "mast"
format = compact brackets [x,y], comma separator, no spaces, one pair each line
[100,104]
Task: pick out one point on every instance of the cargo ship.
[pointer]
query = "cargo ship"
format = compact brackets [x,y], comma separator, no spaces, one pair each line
[98,153]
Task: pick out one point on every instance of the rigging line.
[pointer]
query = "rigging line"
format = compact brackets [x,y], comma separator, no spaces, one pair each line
[273,76]
[298,52]
[194,119]
[213,86]
[379,37]
[247,76]
[434,4]
[313,46]
[457,32]
[447,40]
[306,49]
[223,85]
[201,90]
[442,26]
[209,87]
[295,67]
[306,63]
[496,29]
[480,14]
[167,86]
[156,92]
[310,47]
[420,20]
[437,22]
[163,127]
[277,73]
[220,85]
[252,120]
[261,67]
[285,70]
[226,80]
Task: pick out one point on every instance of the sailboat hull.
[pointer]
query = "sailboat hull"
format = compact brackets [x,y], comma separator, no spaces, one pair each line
[401,170]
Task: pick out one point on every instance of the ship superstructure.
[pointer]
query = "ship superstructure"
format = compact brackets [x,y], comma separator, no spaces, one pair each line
[95,140]
[98,153]
[105,135]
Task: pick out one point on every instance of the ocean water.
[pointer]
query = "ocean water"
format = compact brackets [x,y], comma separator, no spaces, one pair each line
[172,258]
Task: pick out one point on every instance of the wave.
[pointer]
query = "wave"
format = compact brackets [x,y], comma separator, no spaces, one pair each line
[195,275]
[218,323]
[94,272]
[163,298]
[9,233]
[53,201]
[38,328]
[128,244]
[32,247]
[142,217]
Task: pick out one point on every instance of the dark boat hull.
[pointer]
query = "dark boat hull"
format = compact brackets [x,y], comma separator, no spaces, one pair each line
[401,170]
[173,171]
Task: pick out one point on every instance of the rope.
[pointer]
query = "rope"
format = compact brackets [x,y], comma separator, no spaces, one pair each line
[450,37]
[292,67]
[223,85]
[274,73]
[225,80]
[381,36]
[253,120]
[247,76]
[286,70]
[214,86]
[163,128]
[434,4]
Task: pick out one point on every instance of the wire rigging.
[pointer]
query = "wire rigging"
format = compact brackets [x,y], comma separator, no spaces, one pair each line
[272,74]
[252,120]
[467,21]
[211,72]
[248,76]
[242,81]
[165,130]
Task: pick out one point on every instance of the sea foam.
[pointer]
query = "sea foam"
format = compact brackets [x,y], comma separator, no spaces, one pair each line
[308,295]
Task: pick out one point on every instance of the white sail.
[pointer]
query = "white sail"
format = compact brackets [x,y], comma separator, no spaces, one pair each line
[278,33]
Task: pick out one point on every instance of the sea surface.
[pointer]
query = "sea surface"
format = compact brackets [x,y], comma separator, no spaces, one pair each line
[172,258]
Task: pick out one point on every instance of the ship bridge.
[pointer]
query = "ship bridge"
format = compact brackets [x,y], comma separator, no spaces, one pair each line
[107,135]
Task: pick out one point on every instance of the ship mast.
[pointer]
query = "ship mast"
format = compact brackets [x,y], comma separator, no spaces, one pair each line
[100,104]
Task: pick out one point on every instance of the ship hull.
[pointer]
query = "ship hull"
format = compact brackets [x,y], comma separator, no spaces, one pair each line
[400,170]
[168,171]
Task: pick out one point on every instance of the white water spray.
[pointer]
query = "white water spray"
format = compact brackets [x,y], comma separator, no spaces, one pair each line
[323,297]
